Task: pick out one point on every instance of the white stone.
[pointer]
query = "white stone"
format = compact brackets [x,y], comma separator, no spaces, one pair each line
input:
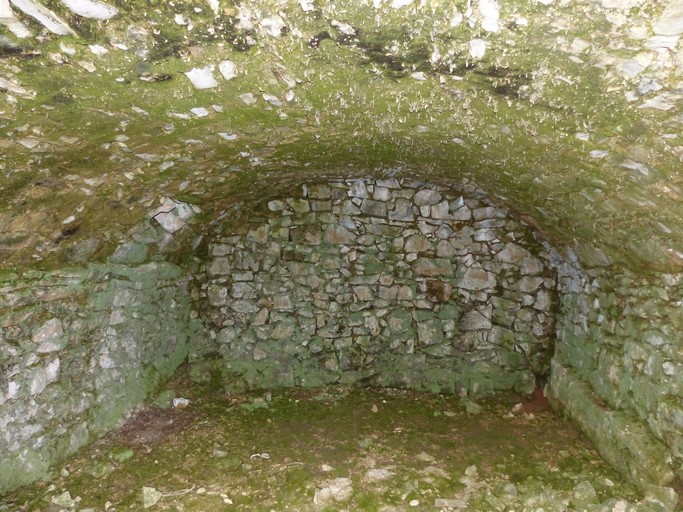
[28,142]
[490,13]
[186,211]
[169,221]
[528,284]
[661,102]
[427,197]
[631,68]
[343,27]
[636,166]
[521,21]
[337,490]
[358,189]
[43,376]
[474,320]
[117,317]
[397,4]
[543,301]
[13,390]
[440,211]
[306,5]
[381,194]
[52,370]
[91,9]
[513,254]
[64,500]
[150,497]
[98,49]
[44,16]
[670,22]
[248,98]
[202,78]
[228,69]
[8,19]
[48,336]
[88,66]
[199,112]
[272,99]
[215,6]
[15,88]
[477,279]
[598,153]
[166,165]
[669,368]
[477,48]
[273,25]
[149,157]
[662,42]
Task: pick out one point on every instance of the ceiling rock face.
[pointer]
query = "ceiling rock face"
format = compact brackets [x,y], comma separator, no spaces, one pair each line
[457,196]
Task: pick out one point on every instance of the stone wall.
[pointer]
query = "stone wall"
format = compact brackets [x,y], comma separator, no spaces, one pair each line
[389,282]
[78,350]
[618,368]
[381,282]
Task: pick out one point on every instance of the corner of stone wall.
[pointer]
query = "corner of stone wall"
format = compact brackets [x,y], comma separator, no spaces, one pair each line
[617,369]
[624,441]
[79,349]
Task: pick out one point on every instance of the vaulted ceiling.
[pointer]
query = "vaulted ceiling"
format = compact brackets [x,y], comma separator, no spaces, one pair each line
[567,111]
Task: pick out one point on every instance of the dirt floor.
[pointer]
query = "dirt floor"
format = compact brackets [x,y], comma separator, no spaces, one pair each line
[335,449]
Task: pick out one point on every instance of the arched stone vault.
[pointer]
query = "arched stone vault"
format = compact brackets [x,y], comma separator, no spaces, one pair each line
[130,129]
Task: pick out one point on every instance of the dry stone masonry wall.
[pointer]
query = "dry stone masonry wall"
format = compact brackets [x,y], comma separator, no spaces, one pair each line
[618,367]
[388,282]
[78,350]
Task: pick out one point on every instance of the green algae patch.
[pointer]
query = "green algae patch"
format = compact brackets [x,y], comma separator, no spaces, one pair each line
[290,450]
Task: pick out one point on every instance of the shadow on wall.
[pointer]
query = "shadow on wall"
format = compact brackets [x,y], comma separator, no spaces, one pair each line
[383,282]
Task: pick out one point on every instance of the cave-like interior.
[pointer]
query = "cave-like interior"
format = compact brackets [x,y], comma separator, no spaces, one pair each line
[464,198]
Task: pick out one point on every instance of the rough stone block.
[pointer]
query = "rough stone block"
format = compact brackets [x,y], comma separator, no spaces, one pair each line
[220,266]
[426,197]
[430,332]
[373,208]
[358,189]
[49,337]
[433,267]
[440,211]
[475,320]
[477,279]
[402,211]
[338,235]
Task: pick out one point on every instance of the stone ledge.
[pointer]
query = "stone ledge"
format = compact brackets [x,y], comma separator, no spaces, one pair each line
[624,441]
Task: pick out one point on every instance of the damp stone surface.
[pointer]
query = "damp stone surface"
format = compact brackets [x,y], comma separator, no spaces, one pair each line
[387,282]
[504,214]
